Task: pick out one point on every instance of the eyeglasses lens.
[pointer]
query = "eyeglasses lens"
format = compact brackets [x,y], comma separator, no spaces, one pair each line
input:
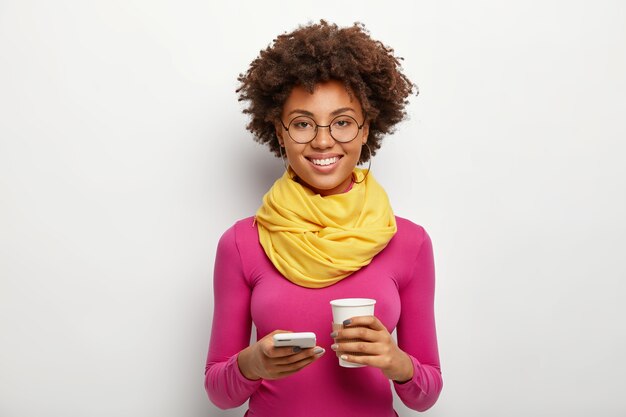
[342,129]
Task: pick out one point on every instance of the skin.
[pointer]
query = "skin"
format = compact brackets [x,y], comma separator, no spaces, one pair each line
[262,359]
[329,99]
[375,341]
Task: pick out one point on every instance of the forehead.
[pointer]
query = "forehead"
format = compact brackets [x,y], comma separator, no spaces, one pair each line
[325,98]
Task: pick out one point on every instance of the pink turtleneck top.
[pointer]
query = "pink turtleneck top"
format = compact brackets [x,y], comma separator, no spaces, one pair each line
[248,289]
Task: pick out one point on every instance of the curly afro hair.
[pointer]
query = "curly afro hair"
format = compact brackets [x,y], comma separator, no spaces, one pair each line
[320,52]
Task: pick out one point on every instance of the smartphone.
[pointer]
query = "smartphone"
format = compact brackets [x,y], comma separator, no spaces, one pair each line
[303,339]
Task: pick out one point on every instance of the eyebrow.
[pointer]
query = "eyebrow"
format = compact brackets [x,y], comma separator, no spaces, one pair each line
[333,113]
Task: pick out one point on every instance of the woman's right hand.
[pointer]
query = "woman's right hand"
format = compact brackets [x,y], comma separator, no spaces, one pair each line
[263,360]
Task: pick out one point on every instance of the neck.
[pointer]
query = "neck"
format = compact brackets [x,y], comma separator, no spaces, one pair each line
[340,189]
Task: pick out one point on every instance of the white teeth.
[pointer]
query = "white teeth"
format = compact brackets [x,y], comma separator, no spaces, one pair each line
[326,161]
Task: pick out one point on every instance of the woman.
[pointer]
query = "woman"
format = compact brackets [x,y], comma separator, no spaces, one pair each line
[322,97]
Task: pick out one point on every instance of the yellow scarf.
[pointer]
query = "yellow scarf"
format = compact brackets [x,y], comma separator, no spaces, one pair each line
[316,241]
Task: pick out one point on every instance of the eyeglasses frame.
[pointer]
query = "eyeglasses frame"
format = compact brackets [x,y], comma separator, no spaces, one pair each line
[330,131]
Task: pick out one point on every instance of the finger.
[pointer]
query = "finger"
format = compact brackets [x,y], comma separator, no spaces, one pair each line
[368,321]
[363,333]
[281,352]
[362,360]
[296,357]
[360,347]
[268,349]
[297,365]
[281,371]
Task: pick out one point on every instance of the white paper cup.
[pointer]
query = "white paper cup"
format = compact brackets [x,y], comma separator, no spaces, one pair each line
[346,308]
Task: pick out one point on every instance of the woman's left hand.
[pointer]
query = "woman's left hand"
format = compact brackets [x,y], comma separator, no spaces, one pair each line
[376,342]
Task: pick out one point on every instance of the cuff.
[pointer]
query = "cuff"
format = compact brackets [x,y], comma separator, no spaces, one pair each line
[414,381]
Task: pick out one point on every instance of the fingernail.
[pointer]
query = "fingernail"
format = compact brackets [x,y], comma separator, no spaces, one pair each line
[296,349]
[334,334]
[347,322]
[344,357]
[334,346]
[319,350]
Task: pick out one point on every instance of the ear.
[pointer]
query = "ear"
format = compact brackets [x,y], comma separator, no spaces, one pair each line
[279,133]
[366,132]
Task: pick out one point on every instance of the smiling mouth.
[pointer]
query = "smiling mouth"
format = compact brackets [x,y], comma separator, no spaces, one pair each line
[325,161]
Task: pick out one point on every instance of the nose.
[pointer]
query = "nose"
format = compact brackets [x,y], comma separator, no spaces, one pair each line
[323,139]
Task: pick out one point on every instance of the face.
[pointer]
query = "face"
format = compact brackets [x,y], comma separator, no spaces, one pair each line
[324,165]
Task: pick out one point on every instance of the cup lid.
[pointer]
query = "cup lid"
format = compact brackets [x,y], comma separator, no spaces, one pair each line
[353,302]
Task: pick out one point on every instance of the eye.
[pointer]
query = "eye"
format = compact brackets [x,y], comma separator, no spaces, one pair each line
[302,123]
[343,123]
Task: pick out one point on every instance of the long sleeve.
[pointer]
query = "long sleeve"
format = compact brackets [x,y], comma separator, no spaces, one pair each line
[417,334]
[223,381]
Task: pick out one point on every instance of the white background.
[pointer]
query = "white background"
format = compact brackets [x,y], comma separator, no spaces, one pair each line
[124,156]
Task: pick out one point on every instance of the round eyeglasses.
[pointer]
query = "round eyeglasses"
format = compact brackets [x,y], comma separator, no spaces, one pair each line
[303,129]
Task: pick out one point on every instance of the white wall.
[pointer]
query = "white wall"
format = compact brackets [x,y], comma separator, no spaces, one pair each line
[123,157]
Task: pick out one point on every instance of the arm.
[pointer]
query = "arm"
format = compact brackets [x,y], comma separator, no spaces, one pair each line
[224,383]
[414,360]
[416,333]
[235,369]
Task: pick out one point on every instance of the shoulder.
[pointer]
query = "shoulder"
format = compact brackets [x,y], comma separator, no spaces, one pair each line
[414,246]
[240,243]
[245,227]
[410,241]
[410,233]
[241,231]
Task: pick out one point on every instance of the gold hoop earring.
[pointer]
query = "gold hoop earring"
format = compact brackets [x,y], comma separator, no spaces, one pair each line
[280,148]
[369,165]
